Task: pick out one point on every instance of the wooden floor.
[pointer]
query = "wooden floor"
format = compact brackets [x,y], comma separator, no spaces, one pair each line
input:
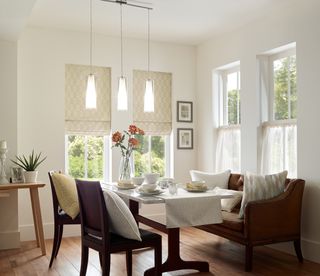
[224,257]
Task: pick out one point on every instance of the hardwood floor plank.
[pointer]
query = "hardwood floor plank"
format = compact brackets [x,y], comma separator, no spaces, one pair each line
[224,258]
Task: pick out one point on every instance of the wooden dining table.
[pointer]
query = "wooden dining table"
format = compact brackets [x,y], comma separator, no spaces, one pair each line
[36,209]
[174,260]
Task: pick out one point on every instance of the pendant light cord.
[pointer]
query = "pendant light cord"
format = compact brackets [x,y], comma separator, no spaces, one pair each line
[91,37]
[121,50]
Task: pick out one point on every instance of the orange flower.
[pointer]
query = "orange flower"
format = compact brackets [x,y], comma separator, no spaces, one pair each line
[140,131]
[133,129]
[116,137]
[134,142]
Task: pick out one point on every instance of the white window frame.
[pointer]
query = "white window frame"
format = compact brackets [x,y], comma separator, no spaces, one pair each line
[276,54]
[272,58]
[223,119]
[106,155]
[223,95]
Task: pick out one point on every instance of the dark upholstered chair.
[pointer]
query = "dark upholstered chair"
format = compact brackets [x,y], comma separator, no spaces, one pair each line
[60,219]
[95,231]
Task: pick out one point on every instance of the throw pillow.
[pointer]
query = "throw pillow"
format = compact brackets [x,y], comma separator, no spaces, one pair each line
[227,204]
[121,220]
[257,187]
[67,195]
[212,180]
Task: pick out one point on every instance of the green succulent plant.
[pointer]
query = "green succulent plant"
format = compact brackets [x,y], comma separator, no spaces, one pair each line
[29,163]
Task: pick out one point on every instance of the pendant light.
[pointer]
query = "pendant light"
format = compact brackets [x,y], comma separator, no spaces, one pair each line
[149,93]
[122,87]
[91,94]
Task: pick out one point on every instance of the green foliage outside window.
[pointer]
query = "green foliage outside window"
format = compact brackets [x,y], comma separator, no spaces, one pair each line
[233,113]
[155,163]
[76,156]
[285,88]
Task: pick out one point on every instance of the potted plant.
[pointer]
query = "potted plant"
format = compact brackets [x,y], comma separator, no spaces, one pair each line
[29,164]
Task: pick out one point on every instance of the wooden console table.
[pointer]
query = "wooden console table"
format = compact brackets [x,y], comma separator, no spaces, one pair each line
[36,210]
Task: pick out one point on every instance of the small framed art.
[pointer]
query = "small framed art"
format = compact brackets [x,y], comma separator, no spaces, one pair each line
[184,112]
[185,138]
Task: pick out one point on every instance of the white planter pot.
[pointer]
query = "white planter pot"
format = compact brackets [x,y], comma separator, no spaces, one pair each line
[30,176]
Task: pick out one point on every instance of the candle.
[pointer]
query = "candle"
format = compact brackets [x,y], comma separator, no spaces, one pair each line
[3,144]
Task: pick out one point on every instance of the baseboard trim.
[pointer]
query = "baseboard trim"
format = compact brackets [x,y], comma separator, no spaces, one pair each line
[9,240]
[27,231]
[310,249]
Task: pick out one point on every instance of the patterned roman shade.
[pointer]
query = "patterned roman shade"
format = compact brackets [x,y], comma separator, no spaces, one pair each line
[78,119]
[158,122]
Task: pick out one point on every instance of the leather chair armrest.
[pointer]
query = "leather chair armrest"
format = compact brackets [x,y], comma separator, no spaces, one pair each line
[275,218]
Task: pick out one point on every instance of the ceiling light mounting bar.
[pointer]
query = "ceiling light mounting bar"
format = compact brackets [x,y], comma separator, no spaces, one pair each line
[124,2]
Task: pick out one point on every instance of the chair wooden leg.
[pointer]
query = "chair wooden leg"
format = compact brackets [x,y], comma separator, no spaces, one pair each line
[55,244]
[59,240]
[248,262]
[297,248]
[158,258]
[84,260]
[105,263]
[100,258]
[129,262]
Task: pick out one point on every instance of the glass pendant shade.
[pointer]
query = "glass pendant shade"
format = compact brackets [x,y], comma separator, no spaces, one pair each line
[122,94]
[91,94]
[149,97]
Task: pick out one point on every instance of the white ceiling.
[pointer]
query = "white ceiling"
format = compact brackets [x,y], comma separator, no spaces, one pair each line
[179,21]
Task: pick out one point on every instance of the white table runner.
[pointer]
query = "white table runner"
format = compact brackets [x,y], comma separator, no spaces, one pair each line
[191,209]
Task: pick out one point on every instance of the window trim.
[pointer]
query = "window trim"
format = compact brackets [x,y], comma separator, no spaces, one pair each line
[223,95]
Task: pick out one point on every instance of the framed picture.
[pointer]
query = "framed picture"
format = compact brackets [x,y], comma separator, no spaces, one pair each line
[185,138]
[184,112]
[16,174]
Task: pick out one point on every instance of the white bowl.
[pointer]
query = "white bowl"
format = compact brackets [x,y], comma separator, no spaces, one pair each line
[137,180]
[151,178]
[148,187]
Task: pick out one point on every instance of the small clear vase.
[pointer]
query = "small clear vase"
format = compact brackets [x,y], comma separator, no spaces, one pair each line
[125,169]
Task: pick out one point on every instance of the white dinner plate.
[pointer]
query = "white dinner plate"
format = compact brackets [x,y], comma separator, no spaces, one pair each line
[155,192]
[126,188]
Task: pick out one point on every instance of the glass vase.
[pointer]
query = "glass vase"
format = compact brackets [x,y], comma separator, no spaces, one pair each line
[125,168]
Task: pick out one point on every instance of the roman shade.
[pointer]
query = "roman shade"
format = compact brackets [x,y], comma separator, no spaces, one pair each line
[158,122]
[78,119]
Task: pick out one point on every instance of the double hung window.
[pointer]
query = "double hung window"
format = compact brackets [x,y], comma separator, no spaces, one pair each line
[228,142]
[279,144]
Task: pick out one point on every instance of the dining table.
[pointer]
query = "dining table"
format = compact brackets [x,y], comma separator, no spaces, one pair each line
[174,261]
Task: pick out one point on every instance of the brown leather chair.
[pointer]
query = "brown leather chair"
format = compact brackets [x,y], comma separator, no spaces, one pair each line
[60,219]
[265,221]
[95,231]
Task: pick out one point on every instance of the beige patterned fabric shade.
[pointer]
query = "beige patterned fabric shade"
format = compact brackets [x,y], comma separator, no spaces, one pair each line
[158,122]
[78,119]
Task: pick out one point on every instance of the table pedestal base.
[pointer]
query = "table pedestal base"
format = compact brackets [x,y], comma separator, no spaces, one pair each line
[174,261]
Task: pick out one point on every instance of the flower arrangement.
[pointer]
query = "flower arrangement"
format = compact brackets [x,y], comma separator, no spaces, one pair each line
[131,142]
[127,143]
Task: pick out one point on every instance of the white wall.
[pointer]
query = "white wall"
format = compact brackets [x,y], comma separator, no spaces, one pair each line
[297,23]
[9,232]
[42,55]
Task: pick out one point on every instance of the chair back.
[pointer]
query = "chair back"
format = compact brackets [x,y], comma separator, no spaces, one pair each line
[93,212]
[55,202]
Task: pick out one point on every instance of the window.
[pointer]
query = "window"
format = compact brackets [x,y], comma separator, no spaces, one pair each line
[279,133]
[86,130]
[228,142]
[284,86]
[86,156]
[152,156]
